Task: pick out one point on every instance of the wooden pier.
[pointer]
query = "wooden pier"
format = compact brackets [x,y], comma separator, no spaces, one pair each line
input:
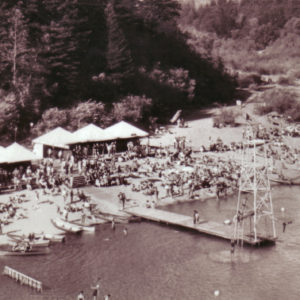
[23,279]
[207,227]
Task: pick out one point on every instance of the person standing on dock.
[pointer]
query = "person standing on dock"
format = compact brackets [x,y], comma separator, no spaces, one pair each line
[196,217]
[122,198]
[107,297]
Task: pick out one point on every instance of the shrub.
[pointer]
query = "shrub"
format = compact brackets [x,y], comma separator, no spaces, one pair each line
[226,116]
[51,118]
[85,113]
[294,113]
[248,80]
[132,108]
[285,80]
[281,101]
[177,78]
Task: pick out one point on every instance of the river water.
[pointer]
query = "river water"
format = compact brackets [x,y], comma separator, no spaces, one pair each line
[156,261]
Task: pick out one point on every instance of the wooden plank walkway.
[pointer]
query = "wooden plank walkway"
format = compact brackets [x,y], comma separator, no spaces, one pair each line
[207,227]
[23,279]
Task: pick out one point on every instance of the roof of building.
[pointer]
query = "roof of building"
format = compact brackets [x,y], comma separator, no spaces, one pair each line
[57,137]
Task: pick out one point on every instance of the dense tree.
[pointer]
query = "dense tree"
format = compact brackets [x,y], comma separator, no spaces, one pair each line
[119,59]
[61,40]
[56,53]
[19,67]
[132,108]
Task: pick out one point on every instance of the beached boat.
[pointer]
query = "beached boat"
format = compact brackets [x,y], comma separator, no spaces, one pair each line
[86,226]
[35,242]
[54,238]
[97,220]
[65,226]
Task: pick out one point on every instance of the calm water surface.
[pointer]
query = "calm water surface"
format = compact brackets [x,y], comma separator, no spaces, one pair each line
[162,262]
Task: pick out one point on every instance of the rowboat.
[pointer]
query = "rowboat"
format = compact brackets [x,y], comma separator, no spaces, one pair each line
[65,226]
[20,250]
[22,253]
[54,238]
[35,243]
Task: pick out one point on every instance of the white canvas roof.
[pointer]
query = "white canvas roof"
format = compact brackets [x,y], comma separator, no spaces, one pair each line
[57,137]
[124,130]
[16,153]
[89,133]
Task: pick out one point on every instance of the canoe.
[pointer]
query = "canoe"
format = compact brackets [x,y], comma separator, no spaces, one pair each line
[84,226]
[65,226]
[96,220]
[117,218]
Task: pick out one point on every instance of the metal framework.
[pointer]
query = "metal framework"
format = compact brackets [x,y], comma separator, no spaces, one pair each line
[254,217]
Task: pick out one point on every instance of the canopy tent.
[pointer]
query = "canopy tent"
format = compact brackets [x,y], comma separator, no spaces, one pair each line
[124,130]
[16,153]
[88,134]
[58,138]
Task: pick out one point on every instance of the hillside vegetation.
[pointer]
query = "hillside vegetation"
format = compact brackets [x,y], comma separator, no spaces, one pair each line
[258,41]
[252,35]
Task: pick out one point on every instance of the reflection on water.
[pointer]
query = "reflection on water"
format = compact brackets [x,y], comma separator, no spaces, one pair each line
[241,255]
[155,261]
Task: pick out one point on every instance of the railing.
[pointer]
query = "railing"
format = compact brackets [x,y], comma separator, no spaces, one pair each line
[23,279]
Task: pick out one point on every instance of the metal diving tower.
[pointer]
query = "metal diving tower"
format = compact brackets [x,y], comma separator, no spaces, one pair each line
[254,217]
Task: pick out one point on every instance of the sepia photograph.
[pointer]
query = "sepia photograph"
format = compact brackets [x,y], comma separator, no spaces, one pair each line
[149,149]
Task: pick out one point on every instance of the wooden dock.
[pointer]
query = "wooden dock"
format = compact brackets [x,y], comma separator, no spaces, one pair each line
[206,227]
[23,279]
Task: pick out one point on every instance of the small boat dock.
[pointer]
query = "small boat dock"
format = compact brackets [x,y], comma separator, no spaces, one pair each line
[23,279]
[206,227]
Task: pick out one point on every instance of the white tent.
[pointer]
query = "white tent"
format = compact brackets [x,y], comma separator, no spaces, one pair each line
[57,137]
[89,133]
[16,153]
[124,130]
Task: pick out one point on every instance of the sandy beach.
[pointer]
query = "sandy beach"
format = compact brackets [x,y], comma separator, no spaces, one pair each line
[34,215]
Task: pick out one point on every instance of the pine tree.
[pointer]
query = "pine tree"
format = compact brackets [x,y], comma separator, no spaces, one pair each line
[62,40]
[119,61]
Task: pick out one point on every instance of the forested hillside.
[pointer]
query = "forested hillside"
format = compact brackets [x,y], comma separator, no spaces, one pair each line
[72,62]
[250,35]
[258,42]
